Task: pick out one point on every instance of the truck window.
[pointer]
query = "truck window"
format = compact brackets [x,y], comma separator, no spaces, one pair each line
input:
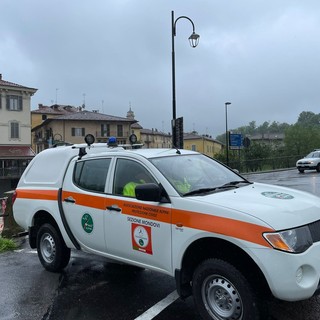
[91,174]
[127,175]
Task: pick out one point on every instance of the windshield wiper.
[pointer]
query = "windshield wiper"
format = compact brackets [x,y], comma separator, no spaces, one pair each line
[198,191]
[231,184]
[234,184]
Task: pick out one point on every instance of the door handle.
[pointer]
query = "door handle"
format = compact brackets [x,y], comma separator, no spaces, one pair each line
[69,199]
[114,208]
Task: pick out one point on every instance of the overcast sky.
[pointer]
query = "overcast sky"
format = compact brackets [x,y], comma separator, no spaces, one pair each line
[261,55]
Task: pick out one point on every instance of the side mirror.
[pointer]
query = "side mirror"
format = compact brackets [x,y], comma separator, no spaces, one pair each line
[148,192]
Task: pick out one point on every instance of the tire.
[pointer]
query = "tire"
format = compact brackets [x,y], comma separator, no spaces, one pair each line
[301,170]
[52,251]
[221,292]
[318,167]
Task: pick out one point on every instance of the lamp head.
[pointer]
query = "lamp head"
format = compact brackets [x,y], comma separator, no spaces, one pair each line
[194,39]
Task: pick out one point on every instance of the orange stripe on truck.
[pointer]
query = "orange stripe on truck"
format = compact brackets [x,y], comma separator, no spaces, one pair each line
[37,194]
[226,226]
[190,219]
[97,202]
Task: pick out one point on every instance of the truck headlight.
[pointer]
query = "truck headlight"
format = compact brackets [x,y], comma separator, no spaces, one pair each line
[293,240]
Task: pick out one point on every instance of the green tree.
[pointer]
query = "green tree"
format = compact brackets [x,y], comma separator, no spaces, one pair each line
[254,155]
[309,119]
[264,128]
[301,139]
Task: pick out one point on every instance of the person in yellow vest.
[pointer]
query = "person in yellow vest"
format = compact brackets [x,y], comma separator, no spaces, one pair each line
[182,186]
[130,187]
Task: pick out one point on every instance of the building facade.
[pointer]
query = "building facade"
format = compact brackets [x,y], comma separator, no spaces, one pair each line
[152,138]
[71,128]
[43,113]
[202,143]
[15,132]
[274,140]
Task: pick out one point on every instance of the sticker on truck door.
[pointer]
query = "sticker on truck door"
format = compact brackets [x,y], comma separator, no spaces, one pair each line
[87,223]
[141,238]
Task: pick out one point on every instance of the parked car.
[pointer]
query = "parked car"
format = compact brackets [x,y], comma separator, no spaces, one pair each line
[309,162]
[227,241]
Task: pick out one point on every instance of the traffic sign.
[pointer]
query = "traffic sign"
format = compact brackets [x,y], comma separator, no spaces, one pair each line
[235,140]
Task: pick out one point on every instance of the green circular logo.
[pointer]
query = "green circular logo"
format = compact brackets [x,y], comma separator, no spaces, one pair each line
[277,195]
[87,223]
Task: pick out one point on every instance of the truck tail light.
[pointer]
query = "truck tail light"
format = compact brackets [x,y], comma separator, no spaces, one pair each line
[14,197]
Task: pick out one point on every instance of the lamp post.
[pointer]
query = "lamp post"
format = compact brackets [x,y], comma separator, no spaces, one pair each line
[227,133]
[193,40]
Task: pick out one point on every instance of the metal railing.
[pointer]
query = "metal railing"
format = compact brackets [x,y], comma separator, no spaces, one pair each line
[265,164]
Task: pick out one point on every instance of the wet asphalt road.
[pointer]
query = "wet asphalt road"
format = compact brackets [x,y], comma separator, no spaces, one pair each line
[91,288]
[26,289]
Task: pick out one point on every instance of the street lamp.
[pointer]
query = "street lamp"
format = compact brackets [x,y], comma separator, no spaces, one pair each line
[227,133]
[193,40]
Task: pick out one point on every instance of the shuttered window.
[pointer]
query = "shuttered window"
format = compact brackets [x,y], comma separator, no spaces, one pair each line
[78,132]
[119,130]
[14,130]
[14,103]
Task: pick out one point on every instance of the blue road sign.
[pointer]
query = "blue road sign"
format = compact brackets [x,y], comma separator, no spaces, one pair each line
[235,140]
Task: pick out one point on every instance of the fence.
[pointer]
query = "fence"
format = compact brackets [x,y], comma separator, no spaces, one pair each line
[264,164]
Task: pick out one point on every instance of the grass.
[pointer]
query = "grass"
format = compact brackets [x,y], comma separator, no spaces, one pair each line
[7,245]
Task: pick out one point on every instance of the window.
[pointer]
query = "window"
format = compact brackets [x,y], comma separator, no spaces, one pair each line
[14,103]
[78,132]
[129,173]
[120,130]
[91,174]
[14,130]
[0,101]
[105,130]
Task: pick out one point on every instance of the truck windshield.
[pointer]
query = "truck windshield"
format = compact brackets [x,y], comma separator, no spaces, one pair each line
[197,174]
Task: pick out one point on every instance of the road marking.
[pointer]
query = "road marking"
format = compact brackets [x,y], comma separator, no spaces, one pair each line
[25,250]
[157,308]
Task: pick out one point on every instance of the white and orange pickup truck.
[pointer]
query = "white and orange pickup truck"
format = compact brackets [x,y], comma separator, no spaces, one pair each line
[227,241]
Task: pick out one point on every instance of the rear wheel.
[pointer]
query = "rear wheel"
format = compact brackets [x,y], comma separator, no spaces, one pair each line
[221,292]
[52,251]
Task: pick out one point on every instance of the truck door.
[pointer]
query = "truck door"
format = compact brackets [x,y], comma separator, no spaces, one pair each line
[83,201]
[136,230]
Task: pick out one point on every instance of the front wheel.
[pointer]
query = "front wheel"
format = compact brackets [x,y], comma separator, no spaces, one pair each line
[221,292]
[52,251]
